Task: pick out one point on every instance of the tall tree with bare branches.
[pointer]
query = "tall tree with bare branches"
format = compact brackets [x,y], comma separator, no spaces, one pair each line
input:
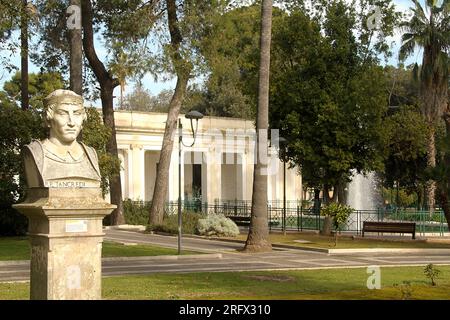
[107,84]
[183,69]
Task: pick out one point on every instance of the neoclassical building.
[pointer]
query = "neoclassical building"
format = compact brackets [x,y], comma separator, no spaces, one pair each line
[218,167]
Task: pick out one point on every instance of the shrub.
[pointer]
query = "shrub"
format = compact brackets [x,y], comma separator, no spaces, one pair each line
[170,223]
[12,223]
[217,225]
[18,127]
[406,289]
[136,212]
[431,273]
[339,213]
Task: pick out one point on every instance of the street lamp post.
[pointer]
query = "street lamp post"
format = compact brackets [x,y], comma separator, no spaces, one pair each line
[192,115]
[284,197]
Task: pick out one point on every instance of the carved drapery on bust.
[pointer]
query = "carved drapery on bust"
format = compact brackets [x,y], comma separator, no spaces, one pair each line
[60,161]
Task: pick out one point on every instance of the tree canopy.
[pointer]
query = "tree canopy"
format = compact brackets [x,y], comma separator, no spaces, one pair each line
[328,96]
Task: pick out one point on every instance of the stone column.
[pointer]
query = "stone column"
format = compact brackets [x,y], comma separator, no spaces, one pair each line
[65,230]
[138,175]
[214,182]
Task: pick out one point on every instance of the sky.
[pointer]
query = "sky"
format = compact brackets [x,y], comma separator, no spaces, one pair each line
[156,87]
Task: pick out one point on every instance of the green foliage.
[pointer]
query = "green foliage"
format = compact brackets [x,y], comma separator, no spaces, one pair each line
[142,100]
[431,273]
[40,85]
[20,127]
[406,289]
[10,18]
[403,88]
[136,213]
[327,99]
[170,223]
[402,199]
[53,50]
[217,225]
[429,28]
[17,129]
[123,27]
[405,143]
[338,212]
[96,135]
[229,45]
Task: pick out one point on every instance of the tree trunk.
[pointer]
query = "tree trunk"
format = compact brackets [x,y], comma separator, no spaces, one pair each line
[258,236]
[342,195]
[25,100]
[183,70]
[419,193]
[107,85]
[76,57]
[327,226]
[316,207]
[431,162]
[162,174]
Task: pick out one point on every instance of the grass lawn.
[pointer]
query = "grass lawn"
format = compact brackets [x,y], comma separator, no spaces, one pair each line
[18,248]
[345,242]
[305,284]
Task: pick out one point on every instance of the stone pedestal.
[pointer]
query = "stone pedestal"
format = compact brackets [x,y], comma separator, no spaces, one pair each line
[65,229]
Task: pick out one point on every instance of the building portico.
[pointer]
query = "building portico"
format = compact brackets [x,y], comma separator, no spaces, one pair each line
[219,167]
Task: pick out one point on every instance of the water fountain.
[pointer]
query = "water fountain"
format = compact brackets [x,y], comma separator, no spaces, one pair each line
[363,197]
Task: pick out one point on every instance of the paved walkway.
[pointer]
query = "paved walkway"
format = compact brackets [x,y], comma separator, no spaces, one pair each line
[229,259]
[187,243]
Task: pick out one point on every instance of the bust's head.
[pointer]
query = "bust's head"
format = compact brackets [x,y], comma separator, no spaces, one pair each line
[64,115]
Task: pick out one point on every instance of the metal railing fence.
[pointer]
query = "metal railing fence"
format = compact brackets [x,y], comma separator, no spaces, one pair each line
[298,218]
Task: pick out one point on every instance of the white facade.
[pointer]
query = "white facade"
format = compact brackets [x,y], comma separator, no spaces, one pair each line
[218,167]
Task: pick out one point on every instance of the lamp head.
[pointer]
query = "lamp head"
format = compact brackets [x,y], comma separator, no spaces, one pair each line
[193,115]
[279,141]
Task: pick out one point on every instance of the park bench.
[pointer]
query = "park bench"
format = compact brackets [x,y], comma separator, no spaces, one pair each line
[245,221]
[393,227]
[240,220]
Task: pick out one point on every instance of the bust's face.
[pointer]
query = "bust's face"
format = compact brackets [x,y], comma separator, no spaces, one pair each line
[67,122]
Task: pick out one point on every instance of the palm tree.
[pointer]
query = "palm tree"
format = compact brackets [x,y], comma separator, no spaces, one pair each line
[76,56]
[258,236]
[429,28]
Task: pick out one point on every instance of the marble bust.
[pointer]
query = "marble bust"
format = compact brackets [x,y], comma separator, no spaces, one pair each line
[60,161]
